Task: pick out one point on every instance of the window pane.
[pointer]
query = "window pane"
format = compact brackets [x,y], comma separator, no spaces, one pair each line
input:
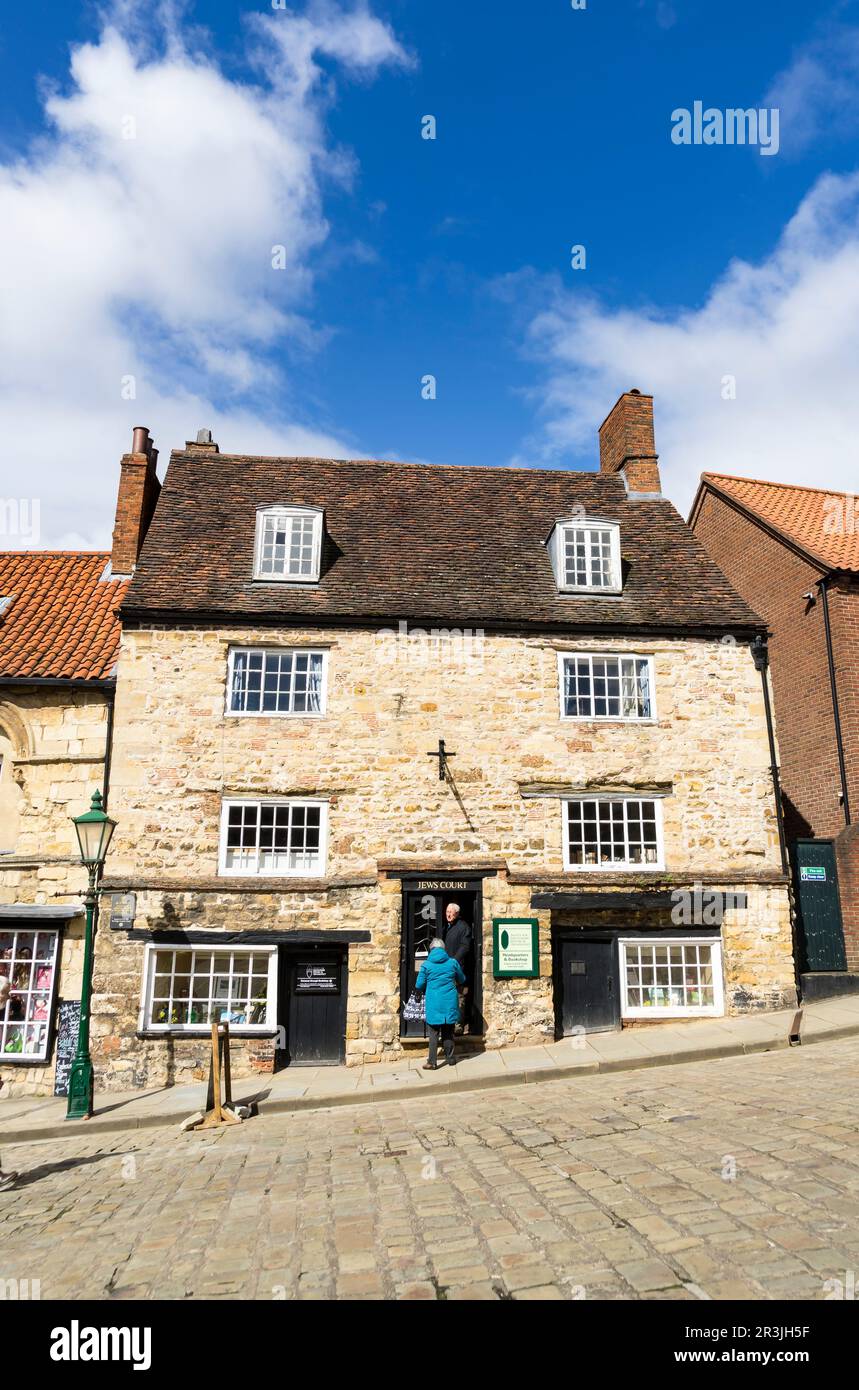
[611,831]
[277,682]
[219,987]
[606,687]
[286,546]
[27,960]
[676,976]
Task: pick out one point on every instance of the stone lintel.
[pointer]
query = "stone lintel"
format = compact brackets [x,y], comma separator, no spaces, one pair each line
[596,788]
[600,879]
[447,866]
[232,885]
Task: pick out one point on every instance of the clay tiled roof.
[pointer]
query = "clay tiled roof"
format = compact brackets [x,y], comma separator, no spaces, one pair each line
[456,546]
[62,621]
[821,523]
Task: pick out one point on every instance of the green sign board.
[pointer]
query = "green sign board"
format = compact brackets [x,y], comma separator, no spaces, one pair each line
[515,950]
[813,873]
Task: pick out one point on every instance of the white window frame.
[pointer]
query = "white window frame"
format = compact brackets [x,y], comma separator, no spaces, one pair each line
[316,515]
[260,801]
[625,866]
[714,1010]
[277,713]
[153,948]
[557,542]
[651,718]
[47,993]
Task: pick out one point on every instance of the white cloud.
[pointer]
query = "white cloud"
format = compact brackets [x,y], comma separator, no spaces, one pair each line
[136,242]
[818,92]
[787,329]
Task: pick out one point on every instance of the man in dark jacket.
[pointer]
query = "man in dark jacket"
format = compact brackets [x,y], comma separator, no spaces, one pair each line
[458,944]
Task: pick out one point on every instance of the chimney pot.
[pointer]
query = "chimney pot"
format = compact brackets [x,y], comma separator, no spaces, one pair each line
[203,444]
[140,440]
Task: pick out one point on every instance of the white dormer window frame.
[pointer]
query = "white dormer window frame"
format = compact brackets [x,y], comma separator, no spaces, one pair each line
[585,555]
[301,549]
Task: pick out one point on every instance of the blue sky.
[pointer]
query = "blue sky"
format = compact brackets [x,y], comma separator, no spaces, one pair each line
[142,253]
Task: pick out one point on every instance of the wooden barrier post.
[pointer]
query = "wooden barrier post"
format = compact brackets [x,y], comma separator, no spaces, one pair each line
[216,1113]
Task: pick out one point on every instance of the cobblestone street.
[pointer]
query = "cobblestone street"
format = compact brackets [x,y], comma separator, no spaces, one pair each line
[722,1179]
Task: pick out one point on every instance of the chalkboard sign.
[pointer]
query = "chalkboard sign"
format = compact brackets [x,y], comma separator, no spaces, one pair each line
[68,1023]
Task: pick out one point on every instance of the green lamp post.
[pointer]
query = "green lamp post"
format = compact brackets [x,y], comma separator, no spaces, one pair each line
[94,831]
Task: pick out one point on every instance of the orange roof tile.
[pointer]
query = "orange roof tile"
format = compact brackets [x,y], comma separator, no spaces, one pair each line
[824,524]
[62,622]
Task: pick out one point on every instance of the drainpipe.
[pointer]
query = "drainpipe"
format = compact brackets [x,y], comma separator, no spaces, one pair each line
[760,656]
[109,695]
[839,741]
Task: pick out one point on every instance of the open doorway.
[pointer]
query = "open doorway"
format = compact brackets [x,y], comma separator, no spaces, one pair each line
[425,917]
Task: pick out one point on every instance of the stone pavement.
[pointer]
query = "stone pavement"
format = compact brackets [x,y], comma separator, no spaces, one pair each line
[734,1178]
[303,1088]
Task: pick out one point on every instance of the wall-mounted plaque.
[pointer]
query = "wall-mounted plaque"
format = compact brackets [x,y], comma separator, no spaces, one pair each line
[317,977]
[515,948]
[123,908]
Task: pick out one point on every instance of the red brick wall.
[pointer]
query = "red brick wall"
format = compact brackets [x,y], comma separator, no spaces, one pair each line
[642,475]
[138,493]
[773,579]
[844,622]
[627,432]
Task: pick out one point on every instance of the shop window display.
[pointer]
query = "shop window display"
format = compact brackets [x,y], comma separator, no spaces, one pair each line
[28,958]
[677,977]
[193,989]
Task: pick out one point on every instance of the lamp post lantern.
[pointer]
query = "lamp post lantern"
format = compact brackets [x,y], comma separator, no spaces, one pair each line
[94,831]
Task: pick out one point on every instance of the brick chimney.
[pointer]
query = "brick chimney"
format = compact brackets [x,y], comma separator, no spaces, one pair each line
[203,444]
[627,444]
[135,503]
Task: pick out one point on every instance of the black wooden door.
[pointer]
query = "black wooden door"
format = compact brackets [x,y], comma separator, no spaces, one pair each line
[316,1007]
[819,908]
[587,988]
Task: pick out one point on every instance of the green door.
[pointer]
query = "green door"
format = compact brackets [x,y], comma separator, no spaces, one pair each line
[822,936]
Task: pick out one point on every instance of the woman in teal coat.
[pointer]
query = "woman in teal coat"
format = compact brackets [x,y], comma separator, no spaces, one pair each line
[440,975]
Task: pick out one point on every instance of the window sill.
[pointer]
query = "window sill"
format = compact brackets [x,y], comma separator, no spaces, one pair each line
[650,1015]
[273,714]
[204,1030]
[614,869]
[605,719]
[284,579]
[231,875]
[587,591]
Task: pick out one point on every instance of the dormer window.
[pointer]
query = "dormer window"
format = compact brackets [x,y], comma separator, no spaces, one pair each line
[288,544]
[585,556]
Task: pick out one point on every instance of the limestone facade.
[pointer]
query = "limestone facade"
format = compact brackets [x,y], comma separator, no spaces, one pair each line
[497,821]
[53,742]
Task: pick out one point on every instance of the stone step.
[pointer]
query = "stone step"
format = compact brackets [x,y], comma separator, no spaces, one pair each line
[827,984]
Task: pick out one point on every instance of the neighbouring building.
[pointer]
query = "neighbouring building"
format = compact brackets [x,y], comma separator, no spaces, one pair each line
[793,554]
[59,642]
[59,638]
[350,693]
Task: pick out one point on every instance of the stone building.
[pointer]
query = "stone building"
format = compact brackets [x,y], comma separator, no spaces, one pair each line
[59,642]
[59,638]
[793,554]
[351,693]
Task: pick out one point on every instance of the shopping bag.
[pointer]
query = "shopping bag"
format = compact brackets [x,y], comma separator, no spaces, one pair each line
[414,1009]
